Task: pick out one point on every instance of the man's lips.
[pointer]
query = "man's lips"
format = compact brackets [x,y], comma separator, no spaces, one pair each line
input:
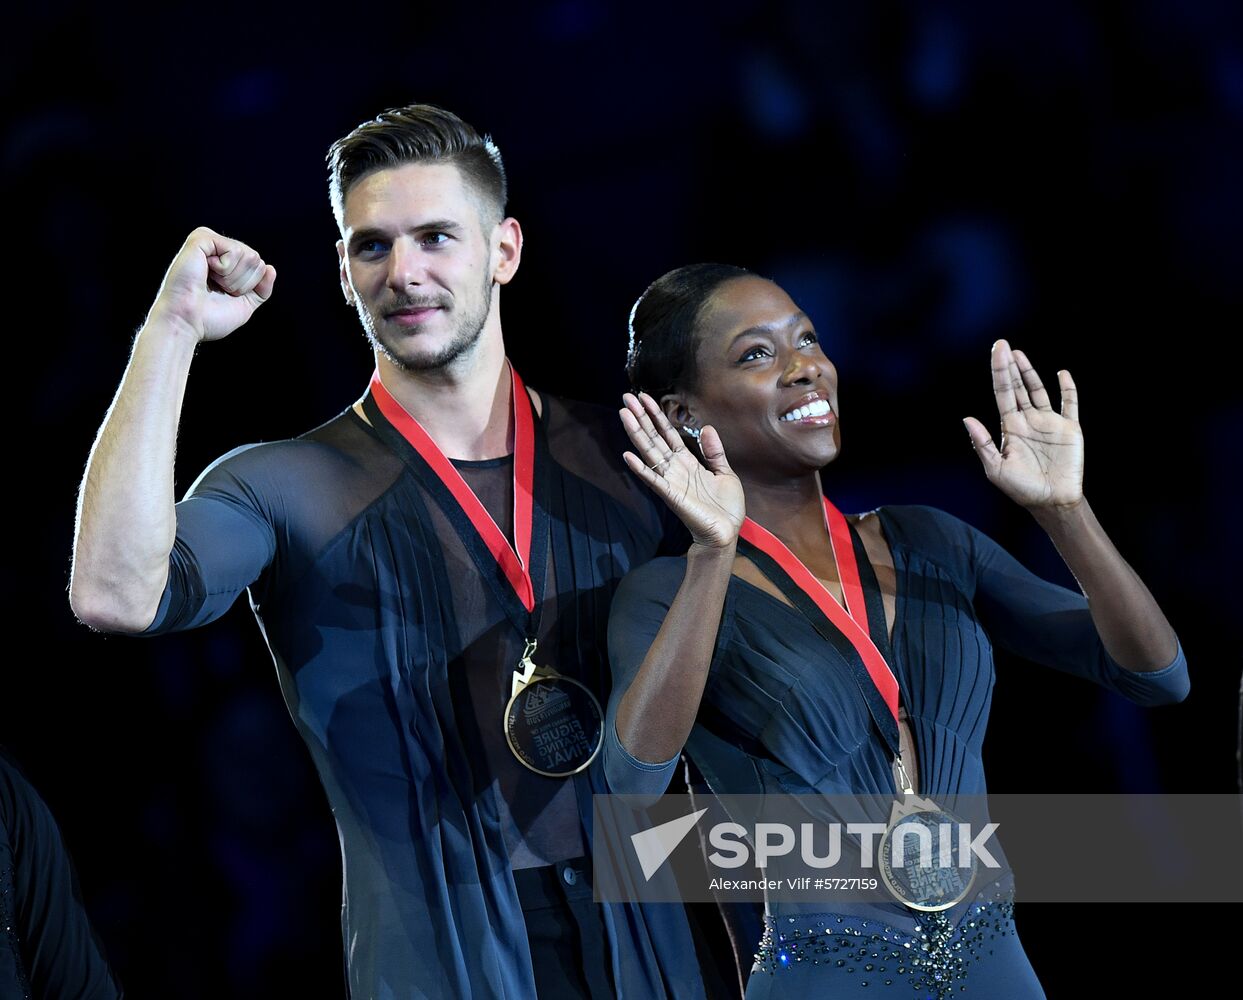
[412,316]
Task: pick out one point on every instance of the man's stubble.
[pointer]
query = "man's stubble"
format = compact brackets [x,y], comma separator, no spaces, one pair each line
[466,333]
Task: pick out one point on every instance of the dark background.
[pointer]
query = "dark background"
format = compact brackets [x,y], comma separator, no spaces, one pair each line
[922,178]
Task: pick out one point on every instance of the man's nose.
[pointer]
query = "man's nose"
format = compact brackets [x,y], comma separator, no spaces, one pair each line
[405,265]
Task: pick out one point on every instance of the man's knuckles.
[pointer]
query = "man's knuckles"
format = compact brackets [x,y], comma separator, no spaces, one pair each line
[244,273]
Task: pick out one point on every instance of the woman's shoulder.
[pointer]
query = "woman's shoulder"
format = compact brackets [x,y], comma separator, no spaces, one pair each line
[926,531]
[915,522]
[656,576]
[646,593]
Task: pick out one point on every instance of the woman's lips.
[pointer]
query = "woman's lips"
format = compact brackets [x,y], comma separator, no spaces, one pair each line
[813,411]
[823,421]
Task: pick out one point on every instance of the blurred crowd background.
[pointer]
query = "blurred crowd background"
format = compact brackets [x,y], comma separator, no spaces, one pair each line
[922,177]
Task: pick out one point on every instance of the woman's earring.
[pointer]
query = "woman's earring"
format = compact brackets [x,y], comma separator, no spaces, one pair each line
[691,431]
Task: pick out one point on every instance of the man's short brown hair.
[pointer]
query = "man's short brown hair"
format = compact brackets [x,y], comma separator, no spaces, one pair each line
[418,133]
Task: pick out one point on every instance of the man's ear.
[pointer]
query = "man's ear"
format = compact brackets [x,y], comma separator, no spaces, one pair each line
[507,243]
[343,264]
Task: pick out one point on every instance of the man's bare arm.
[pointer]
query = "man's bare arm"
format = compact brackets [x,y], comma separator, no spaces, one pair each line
[126,522]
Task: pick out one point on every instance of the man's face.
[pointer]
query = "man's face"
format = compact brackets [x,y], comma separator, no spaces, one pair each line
[418,262]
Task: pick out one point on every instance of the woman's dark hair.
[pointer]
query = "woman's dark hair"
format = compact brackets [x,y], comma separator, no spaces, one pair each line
[419,133]
[663,322]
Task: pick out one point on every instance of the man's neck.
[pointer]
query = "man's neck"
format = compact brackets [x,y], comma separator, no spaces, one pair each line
[466,408]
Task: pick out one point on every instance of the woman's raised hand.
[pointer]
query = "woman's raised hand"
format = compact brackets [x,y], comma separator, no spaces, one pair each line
[709,500]
[1040,462]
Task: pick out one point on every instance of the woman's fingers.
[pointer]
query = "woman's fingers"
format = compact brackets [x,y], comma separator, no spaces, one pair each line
[1020,389]
[1036,391]
[984,446]
[650,447]
[713,450]
[640,411]
[1070,395]
[644,472]
[642,421]
[1003,380]
[661,422]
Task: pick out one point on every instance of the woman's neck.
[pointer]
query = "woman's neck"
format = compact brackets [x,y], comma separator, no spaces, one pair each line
[793,510]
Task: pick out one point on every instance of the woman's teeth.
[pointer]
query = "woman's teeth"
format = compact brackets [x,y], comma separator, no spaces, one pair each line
[816,408]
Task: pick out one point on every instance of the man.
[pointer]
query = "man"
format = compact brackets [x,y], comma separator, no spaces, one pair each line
[411,562]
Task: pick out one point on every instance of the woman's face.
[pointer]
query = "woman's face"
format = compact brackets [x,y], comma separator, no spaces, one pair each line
[763,382]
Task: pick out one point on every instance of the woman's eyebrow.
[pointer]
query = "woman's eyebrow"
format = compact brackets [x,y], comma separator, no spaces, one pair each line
[768,328]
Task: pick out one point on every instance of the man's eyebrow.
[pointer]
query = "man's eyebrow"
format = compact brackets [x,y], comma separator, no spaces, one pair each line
[770,328]
[439,226]
[360,236]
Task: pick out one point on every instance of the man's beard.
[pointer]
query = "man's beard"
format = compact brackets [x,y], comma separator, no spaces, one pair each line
[466,333]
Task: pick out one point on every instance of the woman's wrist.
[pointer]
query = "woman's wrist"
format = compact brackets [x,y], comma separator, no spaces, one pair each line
[1058,519]
[704,553]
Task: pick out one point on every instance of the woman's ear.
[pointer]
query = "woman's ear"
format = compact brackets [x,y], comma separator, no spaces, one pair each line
[678,411]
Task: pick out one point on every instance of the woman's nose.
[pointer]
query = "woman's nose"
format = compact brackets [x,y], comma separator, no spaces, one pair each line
[802,368]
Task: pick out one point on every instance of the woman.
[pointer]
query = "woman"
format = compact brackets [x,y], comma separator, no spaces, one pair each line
[743,652]
[48,948]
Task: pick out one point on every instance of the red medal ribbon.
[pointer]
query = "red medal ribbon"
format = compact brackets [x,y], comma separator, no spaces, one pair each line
[851,621]
[514,563]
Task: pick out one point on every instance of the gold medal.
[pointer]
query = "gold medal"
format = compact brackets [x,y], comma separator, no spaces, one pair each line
[553,724]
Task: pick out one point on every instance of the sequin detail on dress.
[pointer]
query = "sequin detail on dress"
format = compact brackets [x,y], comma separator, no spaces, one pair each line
[8,927]
[935,960]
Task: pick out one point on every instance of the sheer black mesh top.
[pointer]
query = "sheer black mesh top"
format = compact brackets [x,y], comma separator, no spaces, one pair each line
[395,660]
